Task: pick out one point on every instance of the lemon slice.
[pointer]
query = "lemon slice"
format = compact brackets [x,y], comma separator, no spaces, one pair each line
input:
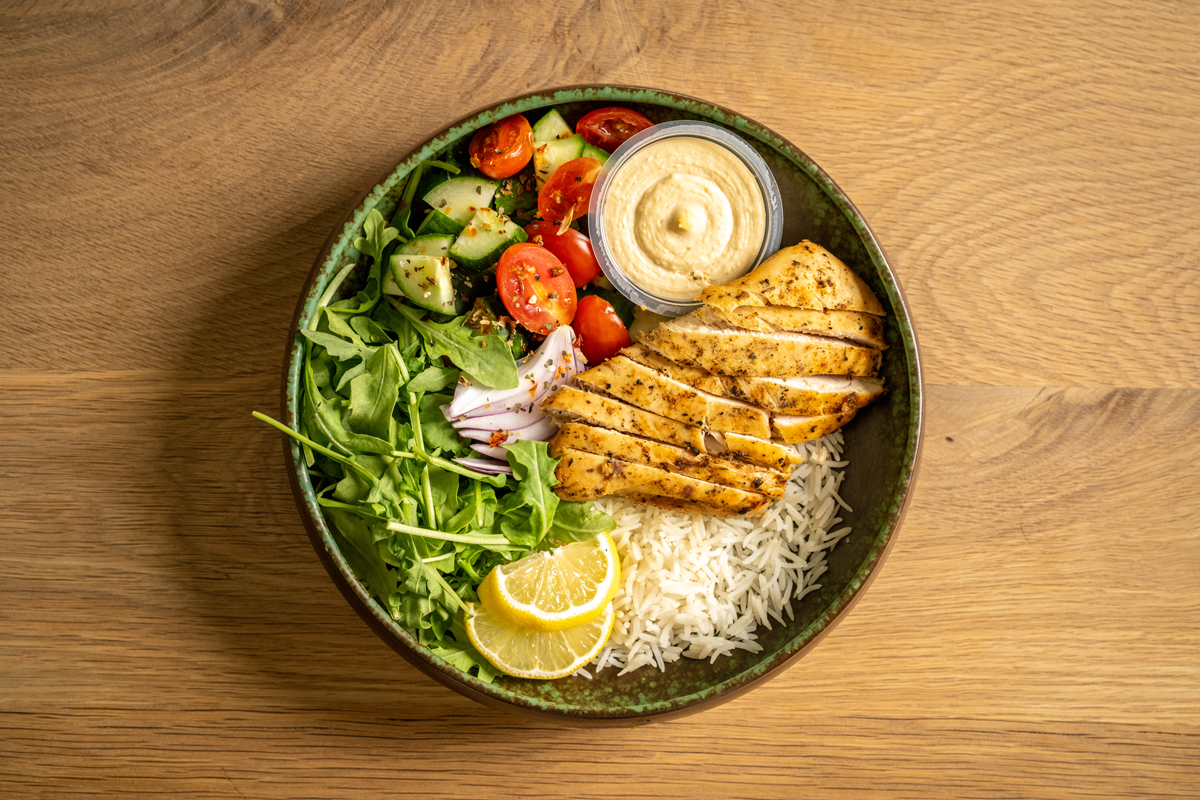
[542,655]
[557,589]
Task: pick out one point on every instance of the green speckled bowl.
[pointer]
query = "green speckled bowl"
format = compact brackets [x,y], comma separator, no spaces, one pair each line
[883,442]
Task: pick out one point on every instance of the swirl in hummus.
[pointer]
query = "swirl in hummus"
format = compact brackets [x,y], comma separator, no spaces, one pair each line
[684,213]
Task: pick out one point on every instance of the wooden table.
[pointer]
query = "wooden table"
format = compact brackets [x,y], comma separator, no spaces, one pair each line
[169,172]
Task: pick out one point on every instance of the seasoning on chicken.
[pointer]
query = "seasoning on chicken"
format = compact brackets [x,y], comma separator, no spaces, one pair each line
[804,276]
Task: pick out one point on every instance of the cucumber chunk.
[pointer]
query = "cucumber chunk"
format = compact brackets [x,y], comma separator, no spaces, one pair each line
[459,198]
[549,156]
[485,238]
[550,127]
[429,244]
[425,280]
[589,151]
[437,222]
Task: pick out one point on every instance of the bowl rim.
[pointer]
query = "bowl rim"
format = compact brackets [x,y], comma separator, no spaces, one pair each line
[494,695]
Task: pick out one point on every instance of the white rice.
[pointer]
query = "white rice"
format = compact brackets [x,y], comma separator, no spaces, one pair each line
[700,586]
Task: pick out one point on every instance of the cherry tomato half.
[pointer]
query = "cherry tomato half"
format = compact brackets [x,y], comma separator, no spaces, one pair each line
[535,287]
[567,194]
[570,247]
[503,148]
[601,332]
[608,128]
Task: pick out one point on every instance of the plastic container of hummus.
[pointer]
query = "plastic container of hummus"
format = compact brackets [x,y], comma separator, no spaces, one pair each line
[681,206]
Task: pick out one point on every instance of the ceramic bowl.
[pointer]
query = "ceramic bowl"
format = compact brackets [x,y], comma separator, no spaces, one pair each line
[882,443]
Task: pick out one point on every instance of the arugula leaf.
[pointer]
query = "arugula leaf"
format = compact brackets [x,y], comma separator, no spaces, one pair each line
[528,512]
[363,555]
[336,346]
[436,430]
[576,522]
[377,236]
[466,658]
[485,359]
[373,394]
[432,379]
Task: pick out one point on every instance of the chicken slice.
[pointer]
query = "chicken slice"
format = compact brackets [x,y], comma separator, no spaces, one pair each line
[794,429]
[761,451]
[586,476]
[702,379]
[574,405]
[569,404]
[725,471]
[808,395]
[804,276]
[733,351]
[639,385]
[854,326]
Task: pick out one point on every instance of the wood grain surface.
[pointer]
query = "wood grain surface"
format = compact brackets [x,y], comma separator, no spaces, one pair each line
[168,173]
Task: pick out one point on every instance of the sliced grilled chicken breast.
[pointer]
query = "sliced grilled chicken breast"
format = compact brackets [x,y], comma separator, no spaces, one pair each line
[808,395]
[586,476]
[854,326]
[761,451]
[725,471]
[574,405]
[733,351]
[702,379]
[804,276]
[794,429]
[639,385]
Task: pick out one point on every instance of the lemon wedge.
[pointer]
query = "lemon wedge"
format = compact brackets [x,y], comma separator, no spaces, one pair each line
[541,655]
[556,589]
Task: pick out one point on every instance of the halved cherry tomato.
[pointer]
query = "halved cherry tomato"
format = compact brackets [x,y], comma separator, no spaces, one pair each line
[503,148]
[535,287]
[601,332]
[608,128]
[566,195]
[570,247]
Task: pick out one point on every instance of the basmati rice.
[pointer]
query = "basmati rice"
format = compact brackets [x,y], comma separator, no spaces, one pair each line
[701,586]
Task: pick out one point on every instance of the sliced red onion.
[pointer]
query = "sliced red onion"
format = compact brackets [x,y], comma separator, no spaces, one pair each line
[486,465]
[498,453]
[554,362]
[479,412]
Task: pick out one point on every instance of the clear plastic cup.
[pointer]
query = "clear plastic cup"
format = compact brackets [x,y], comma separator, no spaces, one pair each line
[768,189]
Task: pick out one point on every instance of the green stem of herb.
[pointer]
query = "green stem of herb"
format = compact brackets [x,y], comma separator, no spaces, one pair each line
[481,540]
[328,294]
[443,165]
[338,457]
[459,469]
[427,495]
[478,503]
[448,589]
[357,509]
[435,559]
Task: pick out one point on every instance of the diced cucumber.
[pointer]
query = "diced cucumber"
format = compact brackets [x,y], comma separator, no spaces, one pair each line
[485,238]
[590,151]
[437,222]
[459,198]
[425,280]
[549,156]
[550,127]
[429,244]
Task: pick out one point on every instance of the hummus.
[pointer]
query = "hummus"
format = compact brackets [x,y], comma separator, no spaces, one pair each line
[684,213]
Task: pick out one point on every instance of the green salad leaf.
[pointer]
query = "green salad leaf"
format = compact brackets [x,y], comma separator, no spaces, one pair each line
[485,359]
[419,530]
